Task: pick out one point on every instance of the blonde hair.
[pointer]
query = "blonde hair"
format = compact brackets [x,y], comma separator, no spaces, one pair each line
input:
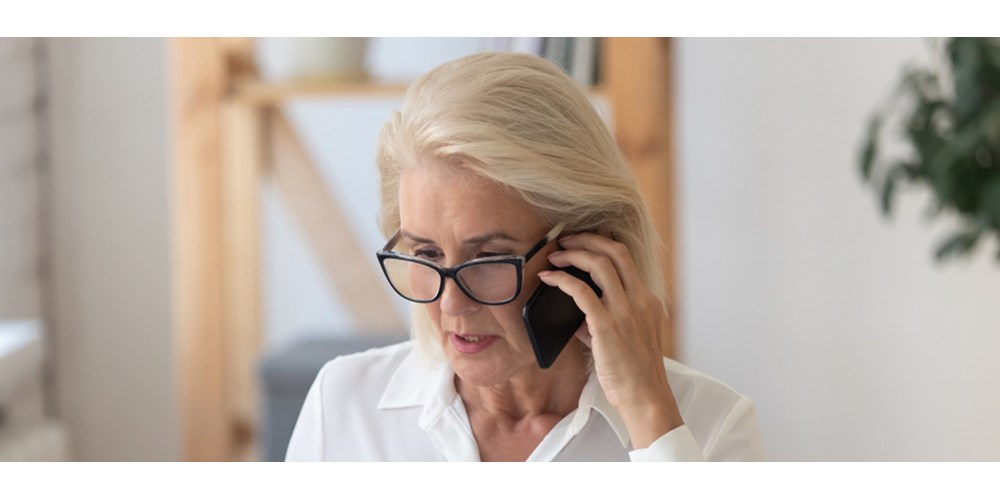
[520,121]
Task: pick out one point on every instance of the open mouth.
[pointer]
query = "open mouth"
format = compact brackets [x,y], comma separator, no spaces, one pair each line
[471,344]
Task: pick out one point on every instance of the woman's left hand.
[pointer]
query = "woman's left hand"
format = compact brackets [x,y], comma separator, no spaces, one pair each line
[624,329]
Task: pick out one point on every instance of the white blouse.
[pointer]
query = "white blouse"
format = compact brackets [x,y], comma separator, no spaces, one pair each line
[391,404]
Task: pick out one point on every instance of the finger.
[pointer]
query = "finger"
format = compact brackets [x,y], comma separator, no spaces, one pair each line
[614,250]
[600,268]
[582,295]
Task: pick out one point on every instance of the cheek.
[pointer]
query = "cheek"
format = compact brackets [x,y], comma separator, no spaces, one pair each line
[510,319]
[434,315]
[530,279]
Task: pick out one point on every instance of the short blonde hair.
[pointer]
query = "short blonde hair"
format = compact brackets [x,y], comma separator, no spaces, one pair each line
[520,121]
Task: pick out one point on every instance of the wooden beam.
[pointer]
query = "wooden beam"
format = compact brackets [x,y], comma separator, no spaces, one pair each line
[328,233]
[242,167]
[198,87]
[216,249]
[637,79]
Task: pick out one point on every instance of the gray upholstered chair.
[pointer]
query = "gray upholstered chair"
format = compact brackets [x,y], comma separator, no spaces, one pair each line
[286,375]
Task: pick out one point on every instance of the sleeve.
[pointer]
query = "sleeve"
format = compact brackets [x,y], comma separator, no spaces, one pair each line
[738,438]
[306,443]
[677,445]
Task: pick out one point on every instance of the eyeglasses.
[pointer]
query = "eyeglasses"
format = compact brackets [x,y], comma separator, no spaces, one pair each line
[491,281]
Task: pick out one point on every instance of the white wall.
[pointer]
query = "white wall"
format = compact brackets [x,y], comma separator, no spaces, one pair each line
[110,245]
[854,344]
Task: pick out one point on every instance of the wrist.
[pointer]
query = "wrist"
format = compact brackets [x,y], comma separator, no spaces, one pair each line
[649,421]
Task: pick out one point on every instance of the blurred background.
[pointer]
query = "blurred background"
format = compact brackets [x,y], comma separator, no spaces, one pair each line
[187,231]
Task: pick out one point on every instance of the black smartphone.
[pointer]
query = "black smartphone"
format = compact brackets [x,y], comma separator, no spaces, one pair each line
[552,318]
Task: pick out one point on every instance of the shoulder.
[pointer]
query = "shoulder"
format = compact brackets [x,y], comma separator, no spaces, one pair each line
[691,384]
[365,373]
[699,396]
[721,419]
[340,418]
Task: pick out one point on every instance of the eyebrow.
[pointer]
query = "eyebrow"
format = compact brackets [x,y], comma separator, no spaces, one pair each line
[478,240]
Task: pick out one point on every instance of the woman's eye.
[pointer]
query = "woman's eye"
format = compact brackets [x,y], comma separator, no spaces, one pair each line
[427,253]
[482,255]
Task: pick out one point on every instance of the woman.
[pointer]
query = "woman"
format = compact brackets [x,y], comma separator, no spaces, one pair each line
[492,155]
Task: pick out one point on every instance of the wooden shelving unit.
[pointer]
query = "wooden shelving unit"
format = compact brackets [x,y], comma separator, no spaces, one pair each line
[256,93]
[231,135]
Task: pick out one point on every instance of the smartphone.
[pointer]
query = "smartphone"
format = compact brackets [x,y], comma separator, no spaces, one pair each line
[552,318]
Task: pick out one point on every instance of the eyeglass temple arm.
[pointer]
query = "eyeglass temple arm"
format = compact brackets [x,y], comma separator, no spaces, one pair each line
[392,241]
[551,235]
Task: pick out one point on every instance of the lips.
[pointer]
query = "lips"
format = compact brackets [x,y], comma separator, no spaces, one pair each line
[470,343]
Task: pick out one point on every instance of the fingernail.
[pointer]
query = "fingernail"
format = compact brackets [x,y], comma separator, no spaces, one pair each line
[545,276]
[555,255]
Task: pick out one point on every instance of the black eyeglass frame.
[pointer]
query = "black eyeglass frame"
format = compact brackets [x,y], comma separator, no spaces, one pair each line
[518,261]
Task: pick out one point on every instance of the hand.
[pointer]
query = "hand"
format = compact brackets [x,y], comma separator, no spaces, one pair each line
[624,329]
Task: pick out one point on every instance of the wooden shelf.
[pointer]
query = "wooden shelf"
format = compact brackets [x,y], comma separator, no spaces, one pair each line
[258,93]
[262,93]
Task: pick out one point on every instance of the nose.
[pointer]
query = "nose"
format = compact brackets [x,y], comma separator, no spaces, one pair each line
[454,302]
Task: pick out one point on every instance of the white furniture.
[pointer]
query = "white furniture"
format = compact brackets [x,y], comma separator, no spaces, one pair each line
[25,432]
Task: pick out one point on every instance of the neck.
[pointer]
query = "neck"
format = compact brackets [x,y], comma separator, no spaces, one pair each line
[534,391]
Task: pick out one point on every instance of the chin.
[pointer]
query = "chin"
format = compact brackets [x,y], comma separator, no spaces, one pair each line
[481,370]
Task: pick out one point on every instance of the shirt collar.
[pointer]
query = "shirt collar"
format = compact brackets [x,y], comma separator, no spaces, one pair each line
[420,381]
[593,397]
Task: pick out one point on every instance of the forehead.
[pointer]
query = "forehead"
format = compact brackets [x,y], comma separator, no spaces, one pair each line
[438,201]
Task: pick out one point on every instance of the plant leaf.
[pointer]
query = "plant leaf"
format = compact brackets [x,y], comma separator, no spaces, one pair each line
[958,244]
[870,147]
[966,62]
[951,123]
[989,206]
[889,187]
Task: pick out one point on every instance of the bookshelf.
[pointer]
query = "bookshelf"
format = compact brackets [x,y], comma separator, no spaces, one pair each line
[230,136]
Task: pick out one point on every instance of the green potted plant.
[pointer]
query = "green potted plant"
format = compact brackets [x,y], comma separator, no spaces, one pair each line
[950,119]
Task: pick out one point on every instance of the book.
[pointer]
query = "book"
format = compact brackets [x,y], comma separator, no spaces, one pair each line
[529,45]
[584,63]
[558,50]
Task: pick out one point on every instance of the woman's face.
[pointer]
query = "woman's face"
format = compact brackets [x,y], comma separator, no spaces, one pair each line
[450,216]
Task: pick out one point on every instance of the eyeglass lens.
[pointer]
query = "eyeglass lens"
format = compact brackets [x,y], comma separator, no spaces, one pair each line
[484,282]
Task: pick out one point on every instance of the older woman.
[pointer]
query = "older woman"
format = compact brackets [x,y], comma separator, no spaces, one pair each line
[500,158]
